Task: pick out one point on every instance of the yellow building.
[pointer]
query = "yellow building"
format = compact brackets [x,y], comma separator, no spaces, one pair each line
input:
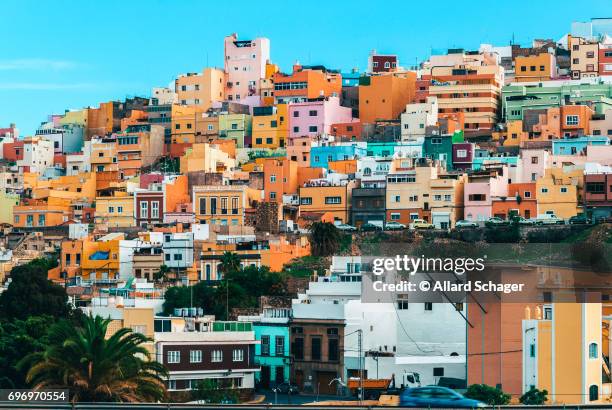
[328,198]
[557,192]
[206,157]
[541,67]
[271,129]
[104,155]
[185,122]
[223,204]
[562,352]
[74,117]
[115,211]
[201,89]
[7,202]
[100,262]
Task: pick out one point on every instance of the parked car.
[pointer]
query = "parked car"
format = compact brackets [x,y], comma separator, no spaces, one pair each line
[496,221]
[436,396]
[394,226]
[549,219]
[523,221]
[346,227]
[286,388]
[579,220]
[368,227]
[421,224]
[465,224]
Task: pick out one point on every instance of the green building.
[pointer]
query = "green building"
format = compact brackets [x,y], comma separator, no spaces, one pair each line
[272,354]
[237,127]
[517,98]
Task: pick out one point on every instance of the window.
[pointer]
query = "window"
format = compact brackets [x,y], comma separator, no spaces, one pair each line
[542,68]
[333,200]
[527,194]
[312,128]
[477,197]
[436,140]
[216,356]
[298,348]
[534,160]
[306,201]
[119,209]
[523,68]
[593,392]
[144,209]
[195,356]
[402,304]
[590,54]
[279,346]
[544,190]
[461,153]
[312,113]
[171,384]
[272,178]
[595,187]
[447,197]
[397,198]
[571,120]
[111,209]
[395,216]
[428,306]
[272,195]
[438,371]
[174,356]
[296,129]
[593,351]
[202,206]
[332,349]
[532,350]
[315,351]
[563,189]
[296,114]
[437,197]
[238,355]
[265,345]
[155,209]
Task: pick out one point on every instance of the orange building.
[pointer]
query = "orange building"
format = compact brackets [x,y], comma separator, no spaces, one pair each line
[306,83]
[137,117]
[521,201]
[298,149]
[305,174]
[346,166]
[386,96]
[564,121]
[53,212]
[347,131]
[280,178]
[540,67]
[101,121]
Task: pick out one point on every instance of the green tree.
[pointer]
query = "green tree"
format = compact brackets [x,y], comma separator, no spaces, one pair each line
[96,368]
[487,394]
[230,262]
[18,339]
[30,293]
[534,397]
[208,390]
[162,274]
[324,239]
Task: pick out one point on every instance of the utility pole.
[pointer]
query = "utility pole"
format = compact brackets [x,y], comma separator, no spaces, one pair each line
[360,348]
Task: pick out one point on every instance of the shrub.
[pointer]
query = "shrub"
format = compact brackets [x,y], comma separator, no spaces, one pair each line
[487,394]
[534,397]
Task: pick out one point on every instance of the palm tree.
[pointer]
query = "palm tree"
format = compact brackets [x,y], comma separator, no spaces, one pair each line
[96,368]
[324,238]
[230,262]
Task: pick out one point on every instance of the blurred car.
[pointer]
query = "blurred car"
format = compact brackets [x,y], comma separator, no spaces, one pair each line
[495,221]
[368,227]
[286,388]
[421,224]
[523,221]
[346,227]
[549,219]
[394,226]
[436,396]
[465,224]
[579,220]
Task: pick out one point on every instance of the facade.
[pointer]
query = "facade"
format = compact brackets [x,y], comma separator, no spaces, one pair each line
[221,205]
[418,117]
[325,197]
[584,56]
[540,67]
[305,83]
[200,88]
[237,127]
[598,194]
[245,66]
[315,118]
[368,206]
[270,127]
[384,97]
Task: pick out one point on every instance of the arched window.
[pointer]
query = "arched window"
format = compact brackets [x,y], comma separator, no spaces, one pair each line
[593,351]
[454,354]
[367,171]
[593,392]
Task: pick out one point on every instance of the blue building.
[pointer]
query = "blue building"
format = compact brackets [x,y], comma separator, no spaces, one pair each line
[571,146]
[272,354]
[351,79]
[478,162]
[321,156]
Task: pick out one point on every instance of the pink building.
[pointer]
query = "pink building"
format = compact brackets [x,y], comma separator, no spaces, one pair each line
[245,66]
[533,164]
[481,190]
[315,118]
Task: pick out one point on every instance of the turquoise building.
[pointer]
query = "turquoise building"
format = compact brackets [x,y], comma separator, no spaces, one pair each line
[272,354]
[571,146]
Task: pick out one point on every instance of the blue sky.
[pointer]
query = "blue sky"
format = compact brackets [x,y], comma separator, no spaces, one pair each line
[56,55]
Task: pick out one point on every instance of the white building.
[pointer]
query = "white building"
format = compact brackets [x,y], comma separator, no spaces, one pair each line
[418,117]
[37,154]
